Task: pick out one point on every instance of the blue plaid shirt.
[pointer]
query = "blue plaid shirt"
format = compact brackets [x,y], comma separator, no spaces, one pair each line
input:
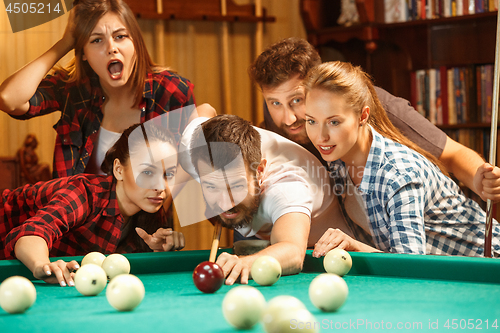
[413,207]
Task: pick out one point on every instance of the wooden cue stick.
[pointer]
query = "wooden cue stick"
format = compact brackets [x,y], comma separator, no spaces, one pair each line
[159,6]
[226,81]
[215,241]
[493,143]
[259,34]
[223,7]
[160,41]
[160,35]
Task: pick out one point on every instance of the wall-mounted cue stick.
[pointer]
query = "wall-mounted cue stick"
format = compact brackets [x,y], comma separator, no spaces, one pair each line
[493,144]
[226,81]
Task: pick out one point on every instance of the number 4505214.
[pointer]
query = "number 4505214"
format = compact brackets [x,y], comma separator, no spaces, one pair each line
[32,8]
[470,324]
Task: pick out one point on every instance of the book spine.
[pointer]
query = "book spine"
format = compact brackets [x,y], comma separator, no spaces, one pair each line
[472,114]
[488,92]
[457,94]
[452,114]
[447,8]
[479,89]
[479,6]
[460,7]
[432,96]
[439,99]
[420,91]
[463,95]
[444,94]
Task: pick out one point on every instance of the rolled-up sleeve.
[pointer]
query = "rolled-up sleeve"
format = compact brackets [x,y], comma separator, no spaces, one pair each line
[46,99]
[68,208]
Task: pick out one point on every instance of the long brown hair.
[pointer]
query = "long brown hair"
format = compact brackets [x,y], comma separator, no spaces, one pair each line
[356,87]
[87,14]
[150,222]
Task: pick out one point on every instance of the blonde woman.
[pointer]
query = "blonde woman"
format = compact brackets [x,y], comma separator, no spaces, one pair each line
[411,204]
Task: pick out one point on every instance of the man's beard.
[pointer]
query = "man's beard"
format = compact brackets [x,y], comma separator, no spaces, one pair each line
[301,138]
[248,212]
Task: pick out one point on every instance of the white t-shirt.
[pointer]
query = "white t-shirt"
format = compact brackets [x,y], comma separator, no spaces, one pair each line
[293,181]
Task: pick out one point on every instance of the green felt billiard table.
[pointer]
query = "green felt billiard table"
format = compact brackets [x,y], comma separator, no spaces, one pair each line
[386,292]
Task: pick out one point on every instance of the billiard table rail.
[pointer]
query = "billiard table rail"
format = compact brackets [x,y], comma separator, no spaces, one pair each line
[454,268]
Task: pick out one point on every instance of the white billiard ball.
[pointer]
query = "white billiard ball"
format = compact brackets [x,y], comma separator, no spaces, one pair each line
[274,308]
[90,279]
[295,320]
[328,292]
[337,261]
[266,270]
[125,292]
[243,306]
[93,258]
[17,294]
[116,264]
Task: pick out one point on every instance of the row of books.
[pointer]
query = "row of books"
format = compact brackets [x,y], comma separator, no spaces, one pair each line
[410,10]
[457,95]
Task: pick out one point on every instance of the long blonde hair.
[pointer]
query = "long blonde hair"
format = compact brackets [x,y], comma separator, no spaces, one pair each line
[356,87]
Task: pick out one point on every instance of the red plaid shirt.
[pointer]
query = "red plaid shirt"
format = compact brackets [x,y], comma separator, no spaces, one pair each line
[75,215]
[81,115]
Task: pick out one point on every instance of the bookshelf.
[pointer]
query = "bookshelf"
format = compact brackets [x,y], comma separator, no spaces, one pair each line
[393,52]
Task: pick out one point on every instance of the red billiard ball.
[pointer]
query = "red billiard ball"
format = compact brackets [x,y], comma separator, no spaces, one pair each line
[208,277]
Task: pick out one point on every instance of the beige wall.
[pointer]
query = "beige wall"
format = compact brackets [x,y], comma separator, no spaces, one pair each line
[191,48]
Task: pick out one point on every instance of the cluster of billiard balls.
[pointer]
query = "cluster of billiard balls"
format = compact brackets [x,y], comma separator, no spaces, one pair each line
[244,306]
[124,291]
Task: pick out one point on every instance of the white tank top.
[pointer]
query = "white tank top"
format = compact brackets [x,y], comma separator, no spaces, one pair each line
[105,140]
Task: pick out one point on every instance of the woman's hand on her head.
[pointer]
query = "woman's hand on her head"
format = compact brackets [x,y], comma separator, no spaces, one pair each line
[59,271]
[162,239]
[68,37]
